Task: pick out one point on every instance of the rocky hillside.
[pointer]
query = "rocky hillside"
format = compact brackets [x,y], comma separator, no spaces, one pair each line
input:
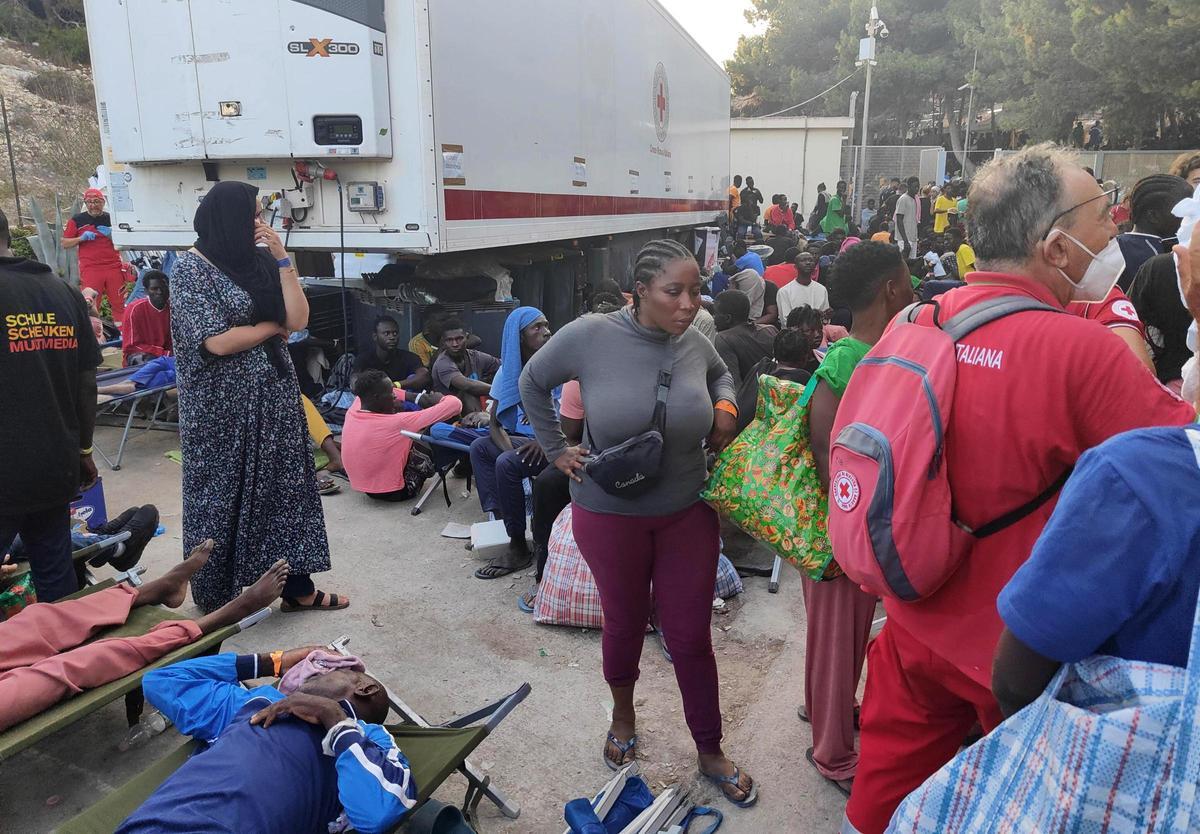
[55,138]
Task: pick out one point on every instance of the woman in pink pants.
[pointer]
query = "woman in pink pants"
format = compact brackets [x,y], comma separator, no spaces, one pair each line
[633,366]
[872,281]
[45,658]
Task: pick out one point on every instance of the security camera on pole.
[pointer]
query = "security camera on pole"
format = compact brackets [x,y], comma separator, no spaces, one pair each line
[876,28]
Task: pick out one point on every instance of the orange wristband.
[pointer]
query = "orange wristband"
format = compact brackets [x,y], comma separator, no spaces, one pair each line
[727,407]
[277,662]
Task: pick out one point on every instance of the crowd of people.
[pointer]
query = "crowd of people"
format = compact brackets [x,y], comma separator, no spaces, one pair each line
[1100,378]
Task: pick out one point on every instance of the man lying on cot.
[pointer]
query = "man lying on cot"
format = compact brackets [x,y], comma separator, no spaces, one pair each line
[45,658]
[312,761]
[153,374]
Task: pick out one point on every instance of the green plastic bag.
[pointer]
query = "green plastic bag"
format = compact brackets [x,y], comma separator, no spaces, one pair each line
[766,481]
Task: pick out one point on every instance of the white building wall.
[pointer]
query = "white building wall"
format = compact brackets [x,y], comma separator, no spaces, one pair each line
[775,152]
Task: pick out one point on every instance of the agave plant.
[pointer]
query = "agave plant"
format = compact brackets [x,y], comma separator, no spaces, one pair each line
[47,244]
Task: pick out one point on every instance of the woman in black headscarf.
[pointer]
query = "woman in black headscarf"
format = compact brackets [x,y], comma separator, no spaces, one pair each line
[248,477]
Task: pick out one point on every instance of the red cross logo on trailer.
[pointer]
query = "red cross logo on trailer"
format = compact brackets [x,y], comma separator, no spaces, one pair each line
[661,100]
[845,490]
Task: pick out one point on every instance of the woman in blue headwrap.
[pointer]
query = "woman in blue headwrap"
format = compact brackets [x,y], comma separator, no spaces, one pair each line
[509,454]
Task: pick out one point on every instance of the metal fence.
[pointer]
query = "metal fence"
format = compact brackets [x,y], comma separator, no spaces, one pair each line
[881,161]
[935,164]
[1125,167]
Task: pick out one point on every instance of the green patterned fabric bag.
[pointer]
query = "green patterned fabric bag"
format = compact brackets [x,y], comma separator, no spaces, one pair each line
[766,481]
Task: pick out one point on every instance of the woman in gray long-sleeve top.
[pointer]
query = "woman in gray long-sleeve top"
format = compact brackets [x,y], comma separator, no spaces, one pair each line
[667,537]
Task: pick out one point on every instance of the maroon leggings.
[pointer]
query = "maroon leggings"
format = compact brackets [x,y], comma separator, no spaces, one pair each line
[677,554]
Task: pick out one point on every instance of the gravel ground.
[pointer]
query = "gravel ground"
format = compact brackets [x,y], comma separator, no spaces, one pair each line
[448,643]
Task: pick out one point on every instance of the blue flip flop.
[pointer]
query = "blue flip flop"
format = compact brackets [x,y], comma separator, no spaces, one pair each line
[524,606]
[734,780]
[628,751]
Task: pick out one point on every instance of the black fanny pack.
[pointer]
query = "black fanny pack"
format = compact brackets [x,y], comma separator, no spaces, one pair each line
[631,469]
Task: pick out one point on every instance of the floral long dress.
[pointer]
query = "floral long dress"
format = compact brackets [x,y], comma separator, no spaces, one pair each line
[248,477]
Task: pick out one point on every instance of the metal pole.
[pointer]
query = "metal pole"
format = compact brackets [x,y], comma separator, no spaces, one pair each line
[12,165]
[853,194]
[970,116]
[863,139]
[873,28]
[804,174]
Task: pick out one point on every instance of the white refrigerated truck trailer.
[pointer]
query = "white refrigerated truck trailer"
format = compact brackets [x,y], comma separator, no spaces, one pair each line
[417,127]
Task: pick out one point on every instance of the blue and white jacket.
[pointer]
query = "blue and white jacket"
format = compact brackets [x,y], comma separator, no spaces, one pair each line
[290,777]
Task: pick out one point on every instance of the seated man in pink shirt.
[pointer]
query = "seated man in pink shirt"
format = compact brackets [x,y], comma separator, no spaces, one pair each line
[379,460]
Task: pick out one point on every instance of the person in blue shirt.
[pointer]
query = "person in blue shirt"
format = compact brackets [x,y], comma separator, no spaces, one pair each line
[313,762]
[747,259]
[718,284]
[510,454]
[867,215]
[1116,570]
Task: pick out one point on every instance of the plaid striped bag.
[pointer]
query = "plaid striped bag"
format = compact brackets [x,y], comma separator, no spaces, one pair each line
[567,594]
[1109,748]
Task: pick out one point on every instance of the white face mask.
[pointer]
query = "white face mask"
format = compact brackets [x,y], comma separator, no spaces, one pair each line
[1102,273]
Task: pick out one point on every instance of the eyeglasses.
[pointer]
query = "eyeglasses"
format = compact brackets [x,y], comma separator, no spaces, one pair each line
[1063,214]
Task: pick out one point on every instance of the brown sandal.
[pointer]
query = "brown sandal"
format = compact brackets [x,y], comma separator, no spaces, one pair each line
[327,486]
[290,604]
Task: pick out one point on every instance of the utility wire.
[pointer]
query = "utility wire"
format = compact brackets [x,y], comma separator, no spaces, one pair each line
[814,98]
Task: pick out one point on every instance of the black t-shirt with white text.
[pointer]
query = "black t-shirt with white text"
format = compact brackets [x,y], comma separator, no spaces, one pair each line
[46,343]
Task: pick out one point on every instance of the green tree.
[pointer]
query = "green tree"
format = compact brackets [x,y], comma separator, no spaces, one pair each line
[1144,55]
[56,26]
[808,45]
[1044,62]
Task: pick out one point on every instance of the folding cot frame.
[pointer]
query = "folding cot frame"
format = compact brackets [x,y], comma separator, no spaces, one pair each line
[495,712]
[428,747]
[446,454]
[140,621]
[159,393]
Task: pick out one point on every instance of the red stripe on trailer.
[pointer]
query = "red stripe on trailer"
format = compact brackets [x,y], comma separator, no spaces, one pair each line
[464,204]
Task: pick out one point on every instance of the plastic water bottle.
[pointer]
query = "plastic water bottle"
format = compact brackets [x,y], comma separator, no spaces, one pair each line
[151,724]
[154,721]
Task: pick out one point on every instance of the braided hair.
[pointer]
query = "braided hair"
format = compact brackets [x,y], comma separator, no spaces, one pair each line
[652,261]
[801,317]
[792,348]
[1158,192]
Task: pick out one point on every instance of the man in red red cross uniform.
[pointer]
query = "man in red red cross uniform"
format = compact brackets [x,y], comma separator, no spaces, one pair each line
[1033,392]
[100,266]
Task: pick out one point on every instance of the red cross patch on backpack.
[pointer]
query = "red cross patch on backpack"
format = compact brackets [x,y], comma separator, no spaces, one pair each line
[891,517]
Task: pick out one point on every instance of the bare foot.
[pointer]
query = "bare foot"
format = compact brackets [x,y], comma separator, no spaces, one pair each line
[169,590]
[267,589]
[334,452]
[259,595]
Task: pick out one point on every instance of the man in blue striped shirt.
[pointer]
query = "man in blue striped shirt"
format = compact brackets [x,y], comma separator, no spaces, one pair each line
[313,762]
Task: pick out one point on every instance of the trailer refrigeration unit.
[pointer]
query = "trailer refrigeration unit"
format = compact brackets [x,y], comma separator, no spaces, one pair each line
[409,127]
